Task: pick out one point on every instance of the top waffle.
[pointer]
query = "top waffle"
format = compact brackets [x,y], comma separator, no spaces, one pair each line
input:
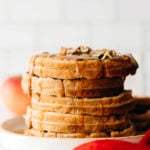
[83,63]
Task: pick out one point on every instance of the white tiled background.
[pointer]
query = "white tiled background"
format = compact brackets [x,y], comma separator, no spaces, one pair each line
[31,26]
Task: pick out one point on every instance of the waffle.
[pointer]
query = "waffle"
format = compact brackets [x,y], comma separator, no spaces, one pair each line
[141,121]
[125,132]
[79,93]
[72,88]
[119,104]
[142,104]
[93,65]
[140,115]
[68,123]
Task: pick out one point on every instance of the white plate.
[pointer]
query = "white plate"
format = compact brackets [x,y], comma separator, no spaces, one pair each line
[16,141]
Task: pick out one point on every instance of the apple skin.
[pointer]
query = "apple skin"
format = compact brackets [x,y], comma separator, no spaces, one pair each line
[13,96]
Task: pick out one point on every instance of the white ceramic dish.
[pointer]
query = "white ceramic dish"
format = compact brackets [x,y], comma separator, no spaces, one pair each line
[9,139]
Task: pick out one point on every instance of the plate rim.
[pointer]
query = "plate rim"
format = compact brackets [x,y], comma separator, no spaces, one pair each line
[4,130]
[15,141]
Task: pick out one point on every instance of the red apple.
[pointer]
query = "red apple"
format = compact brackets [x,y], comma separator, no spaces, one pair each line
[13,96]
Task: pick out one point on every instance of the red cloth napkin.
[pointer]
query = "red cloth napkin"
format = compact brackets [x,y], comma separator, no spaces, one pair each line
[144,144]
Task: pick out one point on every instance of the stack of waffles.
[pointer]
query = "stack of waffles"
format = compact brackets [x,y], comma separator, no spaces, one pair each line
[79,93]
[140,115]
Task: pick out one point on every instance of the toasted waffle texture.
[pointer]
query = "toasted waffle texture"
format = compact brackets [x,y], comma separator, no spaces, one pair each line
[93,65]
[140,115]
[79,93]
